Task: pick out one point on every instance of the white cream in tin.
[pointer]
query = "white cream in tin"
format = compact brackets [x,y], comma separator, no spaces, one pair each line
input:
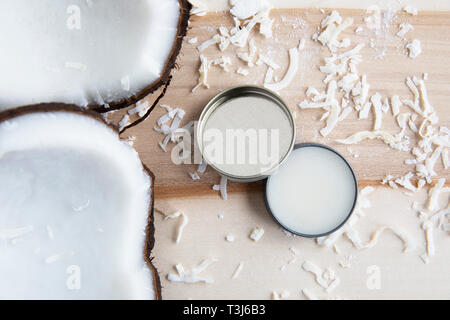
[313,192]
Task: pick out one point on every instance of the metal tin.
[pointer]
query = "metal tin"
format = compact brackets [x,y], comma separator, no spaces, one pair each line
[302,145]
[236,92]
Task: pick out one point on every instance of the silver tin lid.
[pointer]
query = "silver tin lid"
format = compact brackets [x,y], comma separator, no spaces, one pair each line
[245,133]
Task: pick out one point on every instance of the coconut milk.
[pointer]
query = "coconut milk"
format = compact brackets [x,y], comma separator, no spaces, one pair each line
[313,192]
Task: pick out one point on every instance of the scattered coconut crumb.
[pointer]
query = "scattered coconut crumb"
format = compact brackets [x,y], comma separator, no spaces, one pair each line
[124,122]
[194,176]
[309,295]
[346,262]
[130,140]
[193,40]
[202,167]
[394,142]
[331,27]
[395,105]
[269,75]
[414,48]
[404,28]
[336,249]
[381,54]
[244,9]
[75,66]
[377,107]
[203,71]
[256,234]
[411,10]
[242,71]
[445,159]
[404,181]
[191,276]
[238,270]
[327,279]
[172,133]
[223,62]
[267,61]
[408,243]
[330,104]
[289,76]
[359,29]
[223,188]
[208,43]
[249,57]
[183,222]
[433,194]
[427,226]
[280,295]
[352,153]
[198,8]
[301,44]
[141,109]
[229,238]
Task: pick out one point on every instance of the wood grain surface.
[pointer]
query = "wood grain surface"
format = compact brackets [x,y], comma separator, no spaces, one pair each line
[386,76]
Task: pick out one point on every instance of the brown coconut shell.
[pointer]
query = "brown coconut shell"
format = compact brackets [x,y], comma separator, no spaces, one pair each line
[150,227]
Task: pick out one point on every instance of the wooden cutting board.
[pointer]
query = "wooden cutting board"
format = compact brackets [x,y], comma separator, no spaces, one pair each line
[386,75]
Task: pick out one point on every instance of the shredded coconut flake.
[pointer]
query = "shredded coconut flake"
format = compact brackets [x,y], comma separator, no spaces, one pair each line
[325,278]
[242,71]
[193,40]
[183,222]
[194,176]
[203,71]
[289,76]
[393,141]
[331,27]
[404,28]
[238,270]
[433,195]
[191,276]
[256,234]
[411,10]
[309,295]
[229,238]
[124,122]
[223,188]
[141,109]
[414,48]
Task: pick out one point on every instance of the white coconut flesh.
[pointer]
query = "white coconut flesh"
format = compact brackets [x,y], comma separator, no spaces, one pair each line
[85,52]
[74,208]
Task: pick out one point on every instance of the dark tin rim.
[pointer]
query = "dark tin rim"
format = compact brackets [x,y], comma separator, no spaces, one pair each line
[235,92]
[302,145]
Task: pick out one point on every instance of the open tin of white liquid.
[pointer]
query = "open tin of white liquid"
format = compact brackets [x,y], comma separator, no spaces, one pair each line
[265,129]
[313,193]
[245,133]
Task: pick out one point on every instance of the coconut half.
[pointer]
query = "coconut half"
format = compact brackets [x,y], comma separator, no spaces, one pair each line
[76,209]
[103,54]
